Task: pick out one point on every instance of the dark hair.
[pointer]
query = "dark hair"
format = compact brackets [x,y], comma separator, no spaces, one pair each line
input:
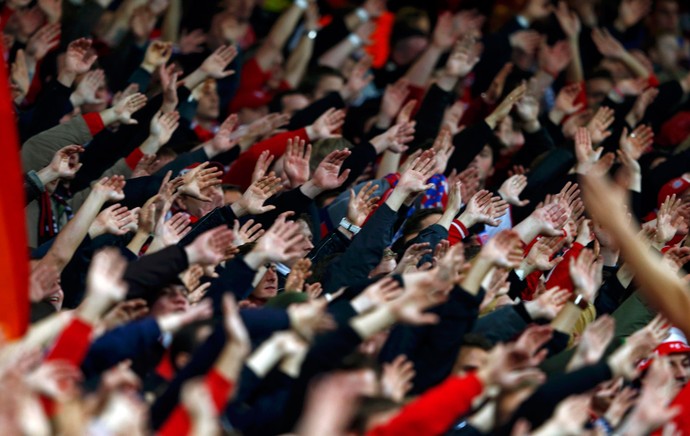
[414,222]
[477,340]
[276,104]
[600,73]
[314,76]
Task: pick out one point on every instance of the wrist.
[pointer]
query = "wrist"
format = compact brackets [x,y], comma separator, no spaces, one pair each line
[383,121]
[373,322]
[556,116]
[397,198]
[108,116]
[76,100]
[47,175]
[255,259]
[66,78]
[467,219]
[531,126]
[310,189]
[492,121]
[148,67]
[151,145]
[238,208]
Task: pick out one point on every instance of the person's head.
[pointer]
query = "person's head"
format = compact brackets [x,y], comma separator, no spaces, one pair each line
[598,86]
[164,156]
[305,229]
[186,341]
[409,38]
[680,365]
[268,284]
[103,94]
[666,52]
[420,220]
[484,162]
[208,107]
[473,354]
[231,193]
[288,102]
[170,299]
[323,80]
[665,16]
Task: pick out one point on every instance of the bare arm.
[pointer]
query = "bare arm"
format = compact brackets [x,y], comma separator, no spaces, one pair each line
[279,34]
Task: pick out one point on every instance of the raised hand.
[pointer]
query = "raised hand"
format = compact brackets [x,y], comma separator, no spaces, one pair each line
[593,342]
[114,220]
[541,256]
[308,319]
[326,176]
[263,163]
[215,65]
[87,89]
[506,105]
[547,304]
[585,272]
[358,79]
[43,281]
[266,125]
[568,20]
[419,295]
[279,244]
[43,41]
[248,233]
[296,161]
[208,249]
[503,250]
[65,163]
[637,142]
[362,204]
[198,180]
[157,54]
[253,199]
[652,410]
[511,189]
[173,230]
[163,125]
[484,208]
[414,179]
[80,56]
[393,99]
[224,139]
[168,77]
[104,281]
[638,346]
[173,322]
[326,125]
[192,42]
[413,254]
[566,102]
[377,294]
[110,188]
[300,272]
[396,378]
[125,108]
[395,138]
[607,45]
[444,35]
[452,117]
[125,312]
[599,124]
[642,102]
[443,148]
[669,221]
[56,379]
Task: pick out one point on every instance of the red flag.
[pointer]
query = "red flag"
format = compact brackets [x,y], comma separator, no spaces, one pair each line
[14,262]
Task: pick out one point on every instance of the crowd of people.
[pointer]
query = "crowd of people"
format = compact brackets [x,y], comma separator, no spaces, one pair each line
[338,217]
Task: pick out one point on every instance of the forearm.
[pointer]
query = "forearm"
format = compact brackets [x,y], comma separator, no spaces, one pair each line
[336,56]
[298,61]
[69,238]
[390,162]
[137,242]
[475,276]
[575,71]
